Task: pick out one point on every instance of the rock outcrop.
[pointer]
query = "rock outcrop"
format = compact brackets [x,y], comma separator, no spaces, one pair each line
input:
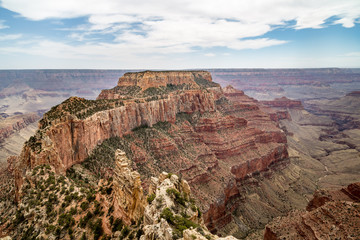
[128,190]
[151,79]
[172,212]
[329,215]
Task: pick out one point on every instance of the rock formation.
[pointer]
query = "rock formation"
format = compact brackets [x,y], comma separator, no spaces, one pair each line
[213,137]
[284,102]
[151,79]
[128,191]
[15,123]
[172,212]
[329,215]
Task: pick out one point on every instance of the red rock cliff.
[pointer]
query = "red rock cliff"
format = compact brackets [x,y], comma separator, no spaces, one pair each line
[70,140]
[149,79]
[156,79]
[214,138]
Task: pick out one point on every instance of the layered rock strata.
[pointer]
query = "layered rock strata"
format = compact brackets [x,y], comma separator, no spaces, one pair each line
[15,123]
[70,140]
[213,137]
[151,79]
[128,190]
[284,102]
[329,215]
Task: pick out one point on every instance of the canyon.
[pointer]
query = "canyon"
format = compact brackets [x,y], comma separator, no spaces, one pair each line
[192,143]
[246,161]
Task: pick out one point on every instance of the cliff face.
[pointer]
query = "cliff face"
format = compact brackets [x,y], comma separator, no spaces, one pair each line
[284,102]
[149,79]
[141,81]
[15,123]
[128,191]
[329,215]
[70,140]
[213,138]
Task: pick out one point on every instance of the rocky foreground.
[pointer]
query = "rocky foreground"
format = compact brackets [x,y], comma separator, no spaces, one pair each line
[75,207]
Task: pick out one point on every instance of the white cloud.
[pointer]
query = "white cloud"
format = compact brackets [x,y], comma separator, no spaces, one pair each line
[256,43]
[7,37]
[352,54]
[209,55]
[141,27]
[2,25]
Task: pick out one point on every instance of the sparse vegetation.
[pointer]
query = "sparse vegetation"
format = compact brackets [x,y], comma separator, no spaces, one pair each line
[179,198]
[180,223]
[142,126]
[151,198]
[80,107]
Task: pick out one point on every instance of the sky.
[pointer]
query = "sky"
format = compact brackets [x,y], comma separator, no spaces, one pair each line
[173,34]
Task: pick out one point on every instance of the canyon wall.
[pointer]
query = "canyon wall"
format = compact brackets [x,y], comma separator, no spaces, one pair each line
[15,123]
[70,140]
[149,79]
[212,137]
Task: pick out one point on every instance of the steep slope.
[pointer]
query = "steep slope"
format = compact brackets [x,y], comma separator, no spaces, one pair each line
[10,125]
[329,215]
[79,206]
[14,130]
[318,134]
[180,122]
[14,143]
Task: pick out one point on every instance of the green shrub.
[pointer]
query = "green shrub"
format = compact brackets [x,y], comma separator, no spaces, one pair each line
[125,231]
[84,205]
[139,233]
[97,229]
[142,126]
[109,190]
[90,197]
[73,211]
[151,198]
[50,229]
[167,215]
[66,220]
[19,217]
[97,208]
[118,225]
[199,212]
[83,237]
[178,198]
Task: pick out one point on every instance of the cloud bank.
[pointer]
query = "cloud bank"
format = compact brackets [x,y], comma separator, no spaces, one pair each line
[138,27]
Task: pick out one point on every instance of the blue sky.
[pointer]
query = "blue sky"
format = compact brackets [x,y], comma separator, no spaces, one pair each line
[172,34]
